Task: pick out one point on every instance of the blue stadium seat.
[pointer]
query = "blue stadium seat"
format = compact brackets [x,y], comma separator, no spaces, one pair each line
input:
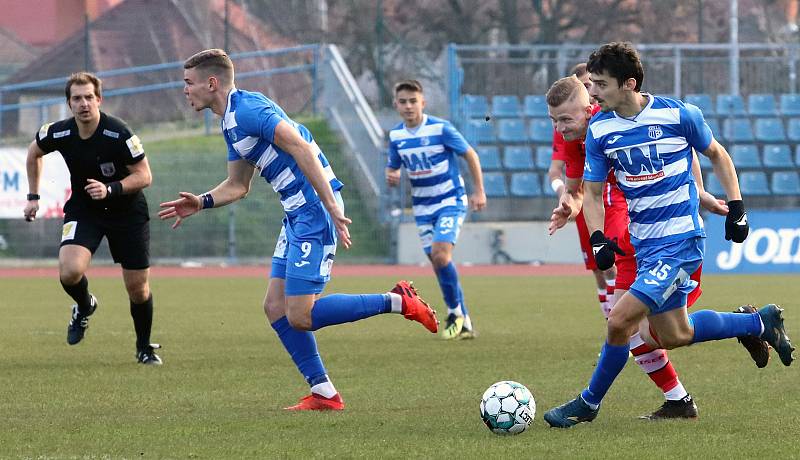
[790,105]
[475,106]
[494,184]
[542,131]
[525,184]
[490,157]
[505,105]
[511,130]
[713,123]
[793,130]
[778,156]
[544,153]
[737,130]
[730,104]
[712,185]
[703,101]
[518,157]
[762,105]
[754,183]
[745,156]
[536,106]
[786,183]
[797,155]
[480,132]
[770,130]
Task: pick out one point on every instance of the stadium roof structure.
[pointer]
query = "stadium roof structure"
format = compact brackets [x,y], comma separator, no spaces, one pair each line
[14,53]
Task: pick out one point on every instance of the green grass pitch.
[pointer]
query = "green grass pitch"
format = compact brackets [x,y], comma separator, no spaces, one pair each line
[408,393]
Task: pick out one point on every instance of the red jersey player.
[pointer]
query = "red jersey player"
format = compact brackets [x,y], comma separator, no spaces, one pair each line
[570,110]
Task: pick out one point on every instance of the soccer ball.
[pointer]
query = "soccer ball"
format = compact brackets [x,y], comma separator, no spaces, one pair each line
[507,408]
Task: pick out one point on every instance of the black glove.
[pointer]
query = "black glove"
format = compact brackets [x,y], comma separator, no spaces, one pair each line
[736,227]
[604,250]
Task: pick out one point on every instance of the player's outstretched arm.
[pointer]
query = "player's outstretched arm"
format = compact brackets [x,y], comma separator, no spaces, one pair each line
[33,165]
[233,188]
[477,200]
[289,140]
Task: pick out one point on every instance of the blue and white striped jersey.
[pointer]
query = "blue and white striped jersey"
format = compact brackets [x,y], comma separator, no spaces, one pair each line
[429,156]
[651,154]
[249,130]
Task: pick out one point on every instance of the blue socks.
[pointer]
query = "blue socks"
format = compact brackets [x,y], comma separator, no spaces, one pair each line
[302,347]
[612,360]
[451,288]
[713,325]
[345,308]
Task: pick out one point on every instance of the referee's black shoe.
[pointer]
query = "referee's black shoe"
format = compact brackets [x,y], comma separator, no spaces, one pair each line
[148,356]
[79,322]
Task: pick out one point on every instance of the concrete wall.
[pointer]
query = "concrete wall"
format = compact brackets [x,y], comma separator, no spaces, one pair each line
[525,242]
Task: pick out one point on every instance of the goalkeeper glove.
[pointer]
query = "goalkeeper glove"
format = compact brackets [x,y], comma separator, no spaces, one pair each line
[736,227]
[604,250]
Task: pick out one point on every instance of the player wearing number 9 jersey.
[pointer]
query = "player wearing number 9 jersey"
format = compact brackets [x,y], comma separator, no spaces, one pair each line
[261,137]
[429,148]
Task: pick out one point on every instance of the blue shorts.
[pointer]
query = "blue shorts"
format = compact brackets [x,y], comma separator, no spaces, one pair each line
[441,228]
[662,277]
[305,250]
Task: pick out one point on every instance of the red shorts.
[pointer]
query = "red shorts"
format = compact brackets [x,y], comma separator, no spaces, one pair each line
[697,291]
[586,247]
[616,229]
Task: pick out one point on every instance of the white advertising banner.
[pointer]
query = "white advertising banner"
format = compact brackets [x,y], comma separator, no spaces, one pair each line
[54,186]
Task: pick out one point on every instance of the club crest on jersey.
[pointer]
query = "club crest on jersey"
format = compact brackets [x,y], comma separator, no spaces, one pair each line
[654,132]
[424,141]
[107,169]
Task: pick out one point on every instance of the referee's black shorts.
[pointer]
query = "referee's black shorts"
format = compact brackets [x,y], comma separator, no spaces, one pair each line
[128,236]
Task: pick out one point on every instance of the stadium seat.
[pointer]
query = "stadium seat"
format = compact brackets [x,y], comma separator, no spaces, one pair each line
[542,131]
[745,156]
[713,123]
[702,101]
[480,132]
[790,105]
[712,185]
[797,155]
[793,130]
[475,106]
[754,183]
[770,130]
[737,130]
[544,153]
[518,157]
[505,105]
[536,106]
[778,156]
[730,104]
[762,105]
[786,183]
[494,184]
[490,157]
[511,130]
[525,184]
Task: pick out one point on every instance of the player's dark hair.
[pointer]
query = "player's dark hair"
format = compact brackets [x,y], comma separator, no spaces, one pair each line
[84,78]
[619,60]
[579,70]
[408,85]
[212,62]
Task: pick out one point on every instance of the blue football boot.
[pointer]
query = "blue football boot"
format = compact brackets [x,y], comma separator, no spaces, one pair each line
[774,332]
[571,413]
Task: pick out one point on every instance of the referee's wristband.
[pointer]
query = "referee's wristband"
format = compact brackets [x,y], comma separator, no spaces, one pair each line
[207,201]
[34,197]
[555,184]
[114,189]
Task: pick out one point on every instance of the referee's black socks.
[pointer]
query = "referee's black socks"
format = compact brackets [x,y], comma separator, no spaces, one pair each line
[80,294]
[142,314]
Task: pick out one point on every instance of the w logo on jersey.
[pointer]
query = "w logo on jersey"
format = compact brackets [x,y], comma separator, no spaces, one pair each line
[646,164]
[414,162]
[654,132]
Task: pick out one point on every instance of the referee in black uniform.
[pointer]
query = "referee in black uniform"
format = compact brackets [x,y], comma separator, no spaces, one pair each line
[108,171]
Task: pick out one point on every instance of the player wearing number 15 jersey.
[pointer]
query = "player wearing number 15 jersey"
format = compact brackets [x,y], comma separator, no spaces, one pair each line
[429,147]
[261,137]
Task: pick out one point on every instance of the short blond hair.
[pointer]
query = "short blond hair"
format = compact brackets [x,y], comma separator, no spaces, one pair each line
[212,62]
[566,89]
